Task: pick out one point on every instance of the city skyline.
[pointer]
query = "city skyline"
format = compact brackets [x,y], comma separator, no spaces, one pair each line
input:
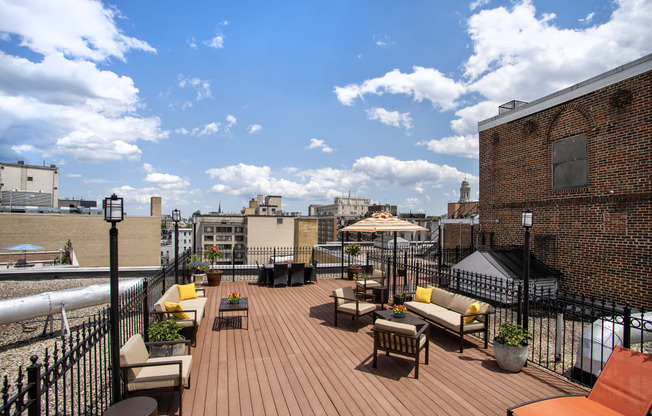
[212,104]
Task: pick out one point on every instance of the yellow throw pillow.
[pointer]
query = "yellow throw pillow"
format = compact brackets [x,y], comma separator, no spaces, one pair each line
[171,306]
[423,294]
[474,308]
[187,291]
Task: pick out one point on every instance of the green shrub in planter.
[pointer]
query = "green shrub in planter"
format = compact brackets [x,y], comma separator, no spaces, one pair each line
[167,330]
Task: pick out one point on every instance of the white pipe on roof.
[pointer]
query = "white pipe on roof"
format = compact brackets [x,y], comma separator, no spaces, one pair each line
[49,303]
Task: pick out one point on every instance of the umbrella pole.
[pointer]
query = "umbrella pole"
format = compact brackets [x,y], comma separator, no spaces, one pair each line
[394,268]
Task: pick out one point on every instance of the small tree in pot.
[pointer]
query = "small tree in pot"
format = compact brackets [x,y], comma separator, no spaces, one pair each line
[165,331]
[214,276]
[511,347]
[353,250]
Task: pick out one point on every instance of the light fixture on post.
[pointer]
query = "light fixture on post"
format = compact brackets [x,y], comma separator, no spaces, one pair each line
[114,213]
[194,233]
[176,217]
[526,221]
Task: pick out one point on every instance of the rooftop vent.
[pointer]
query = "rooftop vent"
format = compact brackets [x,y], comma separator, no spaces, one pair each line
[509,106]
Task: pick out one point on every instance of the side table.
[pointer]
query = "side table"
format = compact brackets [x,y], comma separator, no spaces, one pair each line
[134,406]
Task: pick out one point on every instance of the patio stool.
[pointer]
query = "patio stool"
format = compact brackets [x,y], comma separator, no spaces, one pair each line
[134,406]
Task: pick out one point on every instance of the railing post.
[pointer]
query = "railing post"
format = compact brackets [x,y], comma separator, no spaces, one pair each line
[34,381]
[627,323]
[416,277]
[519,319]
[146,309]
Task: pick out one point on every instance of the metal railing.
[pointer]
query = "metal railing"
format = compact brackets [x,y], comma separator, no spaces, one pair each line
[74,378]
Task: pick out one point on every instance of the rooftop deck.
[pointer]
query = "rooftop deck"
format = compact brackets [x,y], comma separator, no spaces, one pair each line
[293,361]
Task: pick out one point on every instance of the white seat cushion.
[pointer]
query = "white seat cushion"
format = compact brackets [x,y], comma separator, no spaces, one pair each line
[156,377]
[363,308]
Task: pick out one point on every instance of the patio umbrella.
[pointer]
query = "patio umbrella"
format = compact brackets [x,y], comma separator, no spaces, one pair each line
[381,222]
[24,248]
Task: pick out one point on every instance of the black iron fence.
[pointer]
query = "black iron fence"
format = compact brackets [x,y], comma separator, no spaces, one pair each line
[573,335]
[74,376]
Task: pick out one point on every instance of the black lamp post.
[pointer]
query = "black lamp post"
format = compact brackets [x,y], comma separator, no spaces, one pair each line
[194,233]
[176,217]
[526,222]
[114,213]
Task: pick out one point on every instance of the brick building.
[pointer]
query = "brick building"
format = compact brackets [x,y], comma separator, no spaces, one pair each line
[581,160]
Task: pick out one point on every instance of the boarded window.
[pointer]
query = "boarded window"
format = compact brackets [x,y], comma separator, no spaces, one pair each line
[570,167]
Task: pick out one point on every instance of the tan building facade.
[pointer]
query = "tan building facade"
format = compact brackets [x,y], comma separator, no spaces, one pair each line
[28,185]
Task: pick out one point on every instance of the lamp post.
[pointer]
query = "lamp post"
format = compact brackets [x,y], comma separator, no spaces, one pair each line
[176,217]
[194,233]
[526,222]
[114,213]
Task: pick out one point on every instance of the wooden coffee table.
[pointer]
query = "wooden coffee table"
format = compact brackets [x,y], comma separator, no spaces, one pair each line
[388,314]
[225,306]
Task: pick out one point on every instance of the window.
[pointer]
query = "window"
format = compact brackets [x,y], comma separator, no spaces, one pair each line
[570,168]
[239,229]
[223,238]
[208,238]
[30,178]
[239,238]
[208,229]
[279,221]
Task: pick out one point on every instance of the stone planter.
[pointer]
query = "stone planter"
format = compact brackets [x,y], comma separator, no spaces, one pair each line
[510,358]
[167,350]
[214,278]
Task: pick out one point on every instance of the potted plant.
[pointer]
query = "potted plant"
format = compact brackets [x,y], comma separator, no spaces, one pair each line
[353,250]
[399,298]
[511,347]
[234,297]
[196,266]
[164,331]
[400,311]
[400,271]
[214,276]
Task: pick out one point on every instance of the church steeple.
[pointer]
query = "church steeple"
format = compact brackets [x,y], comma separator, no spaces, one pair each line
[465,192]
[219,209]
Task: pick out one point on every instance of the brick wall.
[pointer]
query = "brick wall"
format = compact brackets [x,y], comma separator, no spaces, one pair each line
[600,236]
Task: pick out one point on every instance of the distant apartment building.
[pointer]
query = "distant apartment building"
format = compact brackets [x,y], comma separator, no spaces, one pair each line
[167,243]
[342,207]
[76,203]
[24,185]
[390,209]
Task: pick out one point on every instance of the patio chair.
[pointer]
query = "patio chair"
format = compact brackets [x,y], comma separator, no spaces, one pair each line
[403,339]
[313,273]
[624,387]
[363,284]
[262,275]
[140,372]
[345,302]
[297,274]
[280,274]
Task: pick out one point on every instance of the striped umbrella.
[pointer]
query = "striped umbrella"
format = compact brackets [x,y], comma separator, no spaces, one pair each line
[381,222]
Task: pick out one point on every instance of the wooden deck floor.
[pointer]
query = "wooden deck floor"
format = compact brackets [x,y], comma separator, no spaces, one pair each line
[292,361]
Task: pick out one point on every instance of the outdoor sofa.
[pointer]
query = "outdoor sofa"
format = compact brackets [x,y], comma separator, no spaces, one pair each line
[184,303]
[458,313]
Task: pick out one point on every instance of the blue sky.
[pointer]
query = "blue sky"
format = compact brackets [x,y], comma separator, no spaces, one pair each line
[211,102]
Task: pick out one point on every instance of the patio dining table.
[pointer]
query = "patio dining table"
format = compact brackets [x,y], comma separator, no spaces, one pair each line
[269,272]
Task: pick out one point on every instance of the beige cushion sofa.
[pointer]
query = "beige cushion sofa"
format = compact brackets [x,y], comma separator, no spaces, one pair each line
[194,308]
[448,310]
[140,372]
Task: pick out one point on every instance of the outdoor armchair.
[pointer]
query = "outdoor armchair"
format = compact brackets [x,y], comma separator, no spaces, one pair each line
[140,372]
[403,339]
[345,302]
[262,275]
[624,387]
[313,273]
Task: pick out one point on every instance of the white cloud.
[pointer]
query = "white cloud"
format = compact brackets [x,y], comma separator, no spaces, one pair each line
[167,181]
[410,203]
[148,168]
[78,28]
[192,43]
[64,104]
[478,3]
[231,120]
[319,144]
[74,175]
[327,183]
[201,87]
[23,148]
[390,118]
[95,181]
[255,128]
[217,42]
[588,18]
[422,83]
[463,146]
[209,129]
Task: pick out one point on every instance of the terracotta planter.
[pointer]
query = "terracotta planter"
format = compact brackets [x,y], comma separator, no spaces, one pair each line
[353,271]
[214,278]
[510,358]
